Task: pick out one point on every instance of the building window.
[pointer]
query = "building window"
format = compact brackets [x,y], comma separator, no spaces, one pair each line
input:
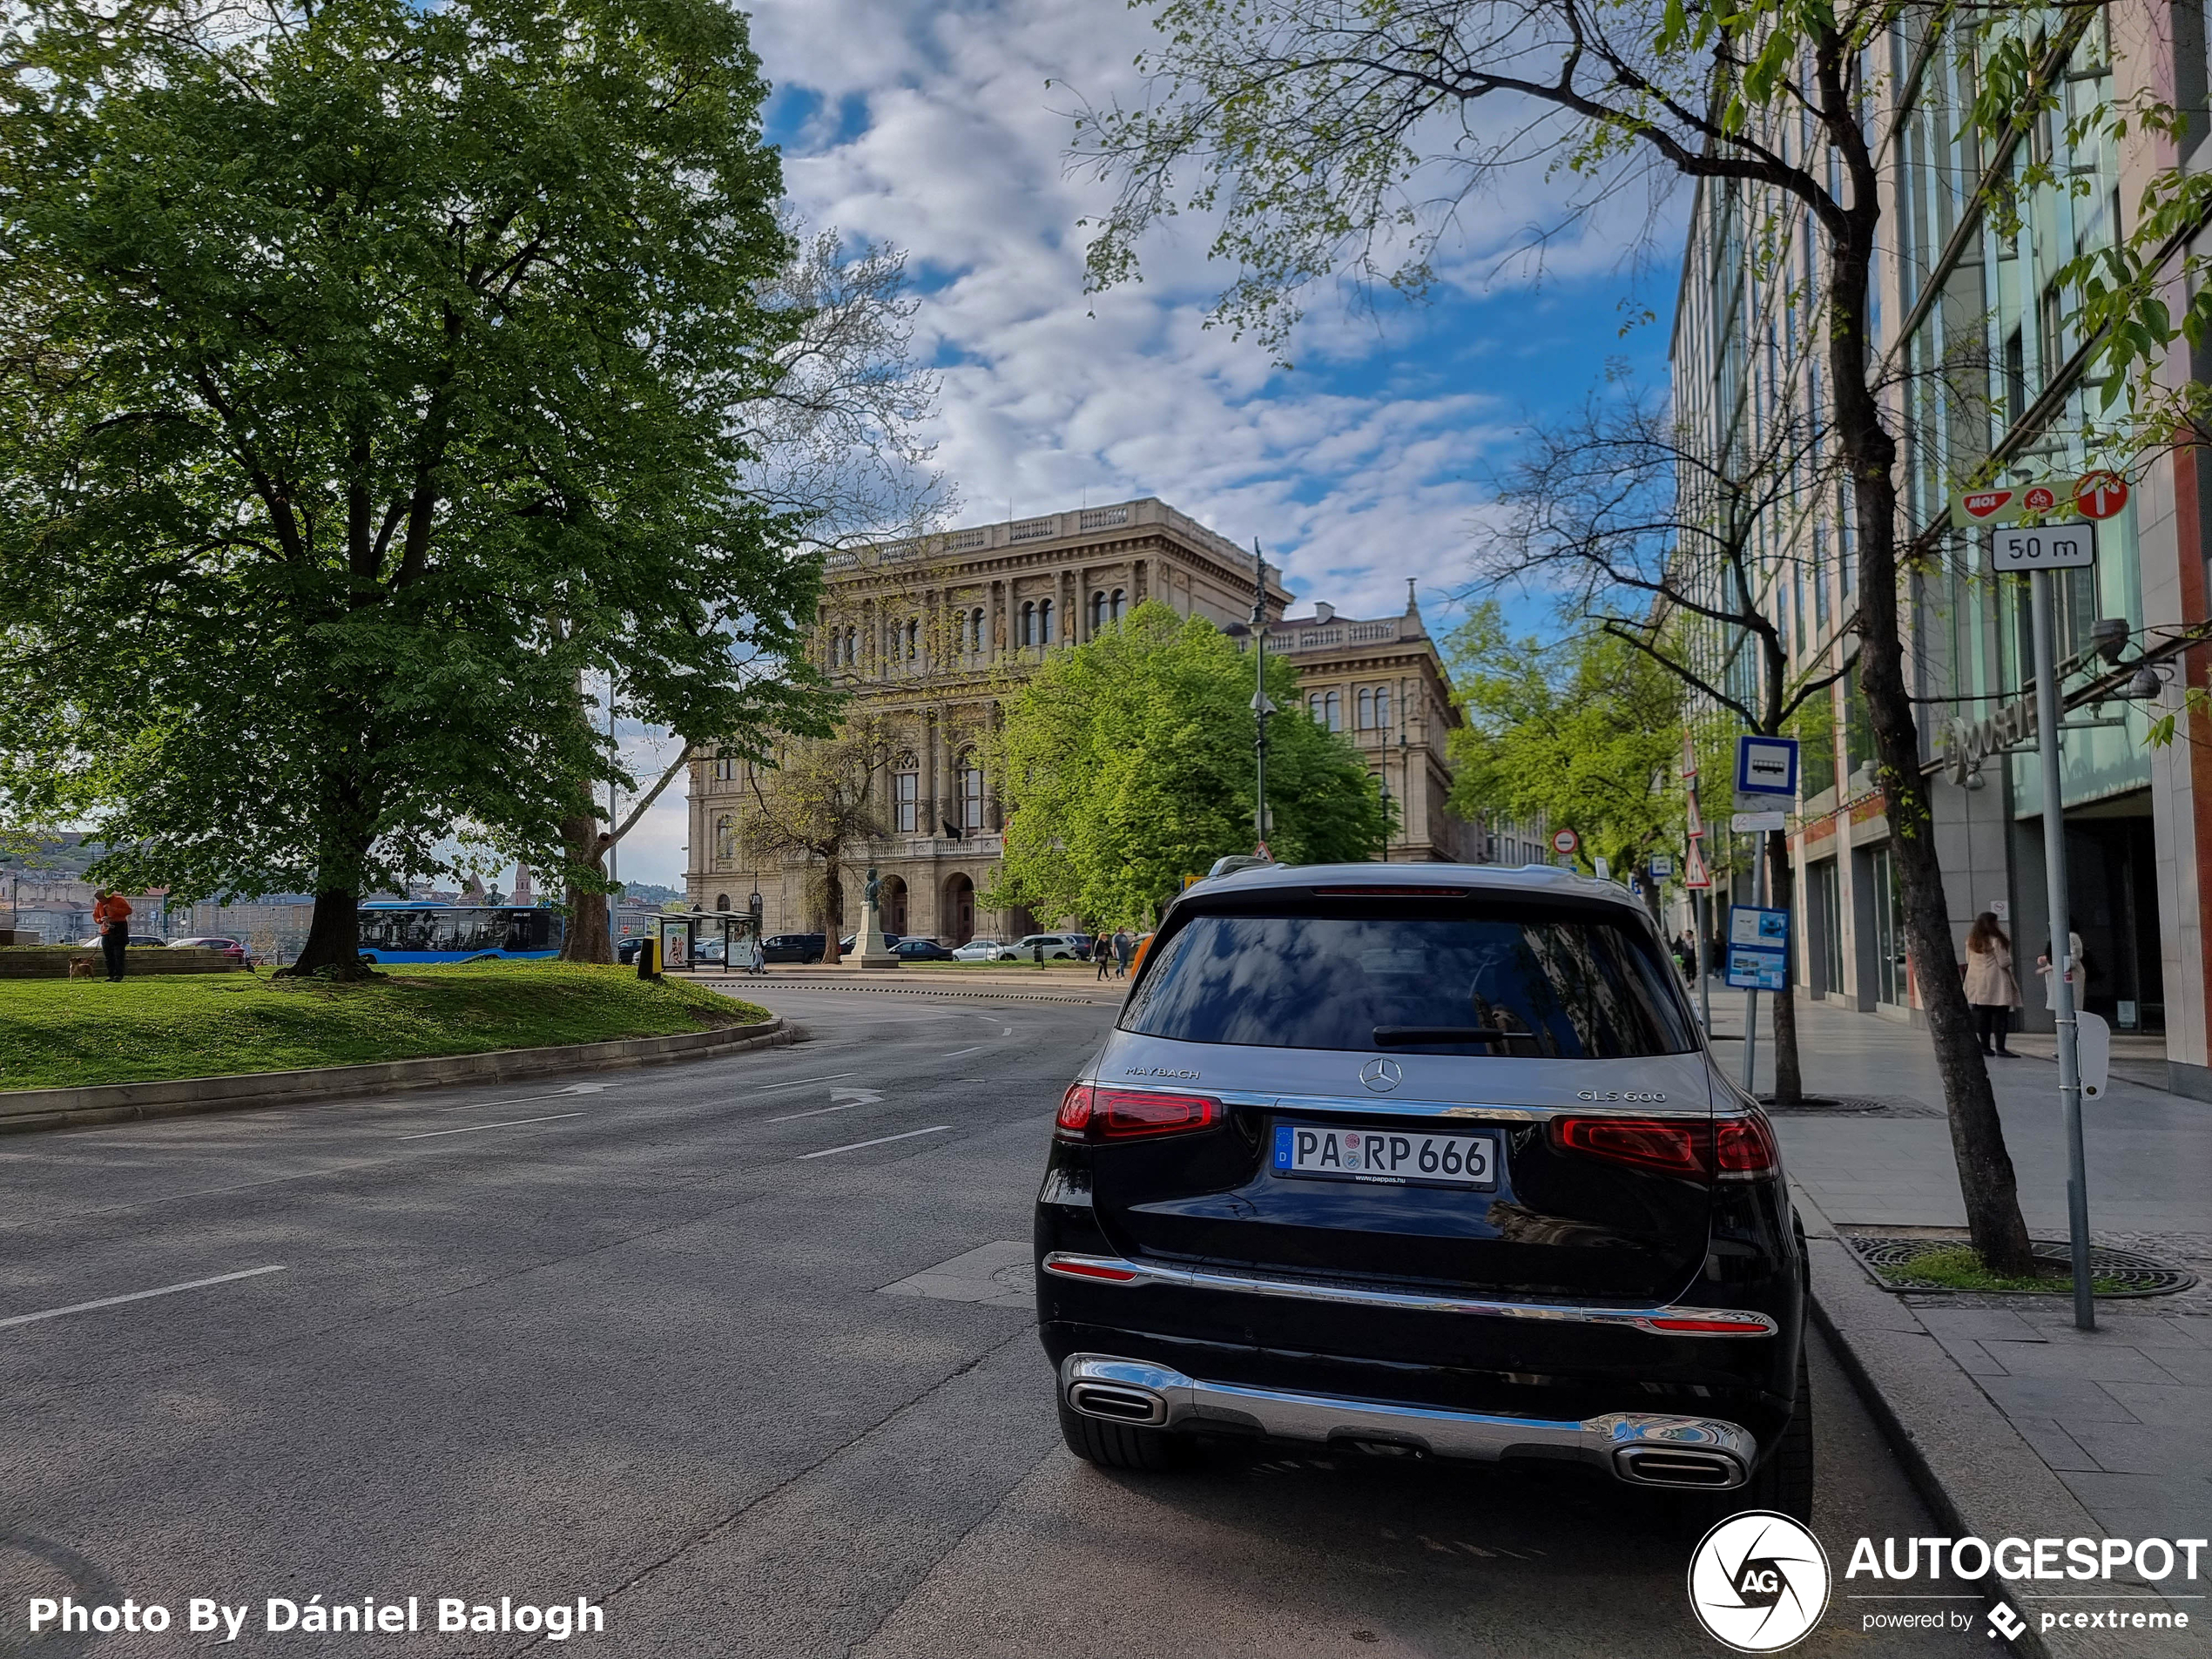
[913,639]
[1120,607]
[1367,709]
[1097,612]
[1029,623]
[1382,707]
[970,780]
[726,841]
[975,629]
[1313,707]
[906,796]
[1044,622]
[1333,706]
[721,901]
[725,768]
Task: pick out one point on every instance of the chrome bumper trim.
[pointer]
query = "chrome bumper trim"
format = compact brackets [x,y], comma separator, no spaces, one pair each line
[1616,1442]
[1660,1321]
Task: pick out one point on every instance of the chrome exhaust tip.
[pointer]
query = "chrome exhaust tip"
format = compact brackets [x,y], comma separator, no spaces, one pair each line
[1680,1468]
[1117,1403]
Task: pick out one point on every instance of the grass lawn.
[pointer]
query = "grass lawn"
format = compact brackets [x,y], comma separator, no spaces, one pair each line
[1961,1268]
[59,1033]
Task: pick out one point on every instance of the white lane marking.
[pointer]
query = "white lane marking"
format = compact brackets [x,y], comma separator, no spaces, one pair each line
[524,1100]
[795,1081]
[137,1296]
[470,1129]
[852,1097]
[957,1053]
[881,1140]
[1006,1031]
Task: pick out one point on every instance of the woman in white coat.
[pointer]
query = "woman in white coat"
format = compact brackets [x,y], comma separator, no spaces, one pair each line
[2076,973]
[1990,984]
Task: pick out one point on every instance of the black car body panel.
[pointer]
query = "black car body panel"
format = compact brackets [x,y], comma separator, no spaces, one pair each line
[1513,1295]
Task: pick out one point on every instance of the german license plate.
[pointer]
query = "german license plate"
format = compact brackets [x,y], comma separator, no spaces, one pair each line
[1387,1157]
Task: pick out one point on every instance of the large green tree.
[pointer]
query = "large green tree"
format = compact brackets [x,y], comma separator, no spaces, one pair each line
[367,382]
[1126,763]
[1573,732]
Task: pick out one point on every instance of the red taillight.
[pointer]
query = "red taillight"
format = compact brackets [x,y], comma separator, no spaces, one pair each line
[1091,1113]
[1074,1110]
[1668,1146]
[1079,1267]
[1714,1326]
[1745,1146]
[1731,1148]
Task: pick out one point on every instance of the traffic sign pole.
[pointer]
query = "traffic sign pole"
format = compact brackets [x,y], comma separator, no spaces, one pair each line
[1751,997]
[2048,712]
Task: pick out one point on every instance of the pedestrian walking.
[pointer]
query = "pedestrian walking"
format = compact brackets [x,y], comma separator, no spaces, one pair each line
[1124,948]
[111,913]
[1102,952]
[1991,987]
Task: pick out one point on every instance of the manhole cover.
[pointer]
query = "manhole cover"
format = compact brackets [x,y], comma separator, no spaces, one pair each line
[2125,1272]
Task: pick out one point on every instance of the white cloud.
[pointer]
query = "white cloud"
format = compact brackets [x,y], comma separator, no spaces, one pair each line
[933,127]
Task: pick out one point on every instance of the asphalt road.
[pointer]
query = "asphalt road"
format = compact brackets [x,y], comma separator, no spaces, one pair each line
[630,1341]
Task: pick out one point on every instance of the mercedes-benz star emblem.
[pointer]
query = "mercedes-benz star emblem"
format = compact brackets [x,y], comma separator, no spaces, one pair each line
[1759,1581]
[1381,1076]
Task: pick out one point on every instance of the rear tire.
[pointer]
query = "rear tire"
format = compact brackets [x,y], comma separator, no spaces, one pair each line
[1783,1483]
[1119,1446]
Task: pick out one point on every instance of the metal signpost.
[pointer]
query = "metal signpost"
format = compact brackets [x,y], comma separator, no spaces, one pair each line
[1766,771]
[2038,551]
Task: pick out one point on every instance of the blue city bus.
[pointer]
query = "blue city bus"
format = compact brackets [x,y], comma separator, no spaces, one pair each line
[409,930]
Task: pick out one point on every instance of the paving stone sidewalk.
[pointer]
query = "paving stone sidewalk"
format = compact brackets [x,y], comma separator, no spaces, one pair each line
[2122,1414]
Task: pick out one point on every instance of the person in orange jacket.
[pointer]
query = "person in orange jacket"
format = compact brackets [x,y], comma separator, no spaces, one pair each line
[112,912]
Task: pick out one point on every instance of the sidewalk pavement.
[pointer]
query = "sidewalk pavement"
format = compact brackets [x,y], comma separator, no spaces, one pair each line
[2122,1415]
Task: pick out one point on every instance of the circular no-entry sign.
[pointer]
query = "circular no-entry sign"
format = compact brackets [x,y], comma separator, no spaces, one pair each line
[1565,841]
[2101,493]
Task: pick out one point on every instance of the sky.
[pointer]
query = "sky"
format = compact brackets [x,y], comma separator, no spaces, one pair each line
[930,124]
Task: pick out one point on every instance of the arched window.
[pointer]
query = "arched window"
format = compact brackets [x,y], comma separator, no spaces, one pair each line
[1097,612]
[1335,707]
[1044,622]
[1313,707]
[1382,707]
[1120,607]
[1367,709]
[906,794]
[1029,623]
[975,629]
[969,778]
[725,840]
[913,638]
[721,901]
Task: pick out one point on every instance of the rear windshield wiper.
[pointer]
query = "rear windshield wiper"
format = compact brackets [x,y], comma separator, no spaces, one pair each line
[1389,1036]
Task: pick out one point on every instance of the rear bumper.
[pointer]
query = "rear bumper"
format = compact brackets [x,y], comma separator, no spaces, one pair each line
[1643,1448]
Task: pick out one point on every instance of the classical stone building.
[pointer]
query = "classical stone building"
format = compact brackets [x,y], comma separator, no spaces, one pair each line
[930,634]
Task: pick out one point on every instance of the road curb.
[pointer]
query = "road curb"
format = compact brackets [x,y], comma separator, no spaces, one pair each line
[31,1110]
[1963,1455]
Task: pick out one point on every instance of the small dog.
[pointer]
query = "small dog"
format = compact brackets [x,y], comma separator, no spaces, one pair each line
[81,967]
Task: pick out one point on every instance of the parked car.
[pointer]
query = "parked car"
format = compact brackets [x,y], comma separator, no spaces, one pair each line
[978,950]
[626,949]
[793,947]
[1057,947]
[845,945]
[922,950]
[230,948]
[149,941]
[1425,1159]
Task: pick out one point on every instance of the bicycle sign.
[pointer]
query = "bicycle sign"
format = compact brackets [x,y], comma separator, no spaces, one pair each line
[2052,547]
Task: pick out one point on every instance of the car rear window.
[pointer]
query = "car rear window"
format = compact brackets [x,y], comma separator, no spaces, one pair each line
[1519,982]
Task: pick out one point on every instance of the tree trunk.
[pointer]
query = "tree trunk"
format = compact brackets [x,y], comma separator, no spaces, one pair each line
[1986,1178]
[333,938]
[588,939]
[833,912]
[1789,1075]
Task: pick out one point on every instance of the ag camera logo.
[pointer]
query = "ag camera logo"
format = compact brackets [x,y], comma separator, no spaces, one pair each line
[1759,1582]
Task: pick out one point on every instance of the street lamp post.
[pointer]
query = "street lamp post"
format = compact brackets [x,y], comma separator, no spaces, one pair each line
[1261,708]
